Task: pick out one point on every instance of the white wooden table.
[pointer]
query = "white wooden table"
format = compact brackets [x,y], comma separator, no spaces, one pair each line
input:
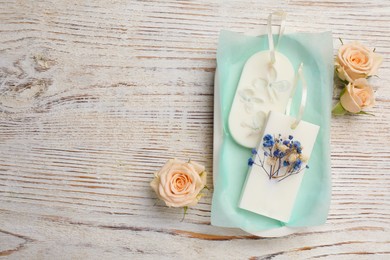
[96,95]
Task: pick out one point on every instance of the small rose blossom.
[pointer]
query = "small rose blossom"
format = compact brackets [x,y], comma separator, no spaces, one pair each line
[179,183]
[357,96]
[355,61]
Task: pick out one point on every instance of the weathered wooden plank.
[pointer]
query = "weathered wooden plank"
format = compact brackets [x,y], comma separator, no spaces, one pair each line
[94,97]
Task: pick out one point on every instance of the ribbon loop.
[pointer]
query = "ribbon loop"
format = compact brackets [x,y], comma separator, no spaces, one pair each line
[271,45]
[302,105]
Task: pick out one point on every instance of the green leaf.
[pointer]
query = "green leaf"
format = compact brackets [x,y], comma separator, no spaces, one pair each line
[338,110]
[341,41]
[184,214]
[365,113]
[343,91]
[339,80]
[374,50]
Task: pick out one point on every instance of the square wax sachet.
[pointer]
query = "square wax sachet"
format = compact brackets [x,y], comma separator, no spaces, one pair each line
[278,166]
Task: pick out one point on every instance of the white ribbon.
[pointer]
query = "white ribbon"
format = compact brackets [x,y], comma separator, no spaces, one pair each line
[299,74]
[271,45]
[302,106]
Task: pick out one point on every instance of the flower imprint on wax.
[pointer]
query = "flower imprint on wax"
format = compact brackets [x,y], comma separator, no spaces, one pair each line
[252,96]
[266,82]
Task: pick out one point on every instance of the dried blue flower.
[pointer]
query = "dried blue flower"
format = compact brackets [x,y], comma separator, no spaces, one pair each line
[268,140]
[297,144]
[250,162]
[280,155]
[297,165]
[269,143]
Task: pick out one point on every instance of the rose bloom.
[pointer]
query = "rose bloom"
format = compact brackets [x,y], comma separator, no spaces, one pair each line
[357,96]
[356,61]
[179,183]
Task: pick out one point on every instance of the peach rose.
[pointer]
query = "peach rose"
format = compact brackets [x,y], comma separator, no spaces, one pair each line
[355,61]
[357,96]
[179,183]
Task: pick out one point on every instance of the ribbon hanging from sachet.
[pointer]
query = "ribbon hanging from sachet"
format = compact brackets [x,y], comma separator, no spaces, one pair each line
[271,45]
[303,101]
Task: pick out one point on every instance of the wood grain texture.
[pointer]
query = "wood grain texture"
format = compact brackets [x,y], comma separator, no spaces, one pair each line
[96,95]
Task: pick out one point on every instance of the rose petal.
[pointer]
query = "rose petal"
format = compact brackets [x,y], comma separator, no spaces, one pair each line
[348,102]
[343,75]
[362,85]
[198,168]
[377,61]
[203,177]
[154,184]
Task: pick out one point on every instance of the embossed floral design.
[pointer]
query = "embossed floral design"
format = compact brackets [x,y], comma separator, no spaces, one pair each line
[271,85]
[250,97]
[283,157]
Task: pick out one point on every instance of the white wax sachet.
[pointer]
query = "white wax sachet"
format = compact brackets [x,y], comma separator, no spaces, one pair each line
[263,86]
[278,166]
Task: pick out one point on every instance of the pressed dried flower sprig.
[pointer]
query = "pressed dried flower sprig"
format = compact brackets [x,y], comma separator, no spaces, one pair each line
[281,158]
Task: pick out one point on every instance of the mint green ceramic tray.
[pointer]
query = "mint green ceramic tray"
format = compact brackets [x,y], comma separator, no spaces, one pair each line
[315,50]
